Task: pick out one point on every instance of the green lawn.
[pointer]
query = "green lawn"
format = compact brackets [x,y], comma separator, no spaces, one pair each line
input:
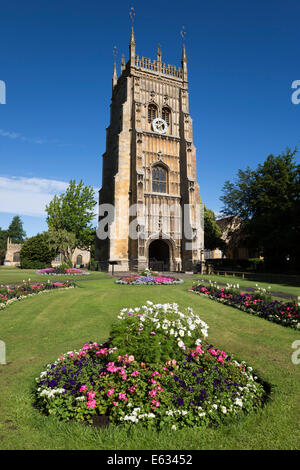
[37,330]
[10,275]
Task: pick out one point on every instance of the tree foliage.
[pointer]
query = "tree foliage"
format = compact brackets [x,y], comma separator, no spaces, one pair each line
[212,233]
[63,242]
[3,244]
[267,200]
[15,230]
[73,211]
[36,252]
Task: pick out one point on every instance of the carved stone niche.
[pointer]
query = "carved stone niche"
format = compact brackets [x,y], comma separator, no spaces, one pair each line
[138,107]
[139,137]
[191,185]
[186,118]
[140,176]
[189,146]
[152,94]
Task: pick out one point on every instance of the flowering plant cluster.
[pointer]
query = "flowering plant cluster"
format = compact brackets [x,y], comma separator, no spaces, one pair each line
[259,303]
[61,271]
[148,279]
[10,294]
[160,329]
[203,386]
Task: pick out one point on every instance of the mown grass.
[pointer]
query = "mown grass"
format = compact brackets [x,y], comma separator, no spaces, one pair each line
[37,330]
[12,275]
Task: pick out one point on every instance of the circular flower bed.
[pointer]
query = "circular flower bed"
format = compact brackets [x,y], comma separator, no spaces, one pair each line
[156,369]
[138,279]
[61,271]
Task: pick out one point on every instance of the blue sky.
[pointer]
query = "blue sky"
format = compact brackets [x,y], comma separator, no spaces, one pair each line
[56,60]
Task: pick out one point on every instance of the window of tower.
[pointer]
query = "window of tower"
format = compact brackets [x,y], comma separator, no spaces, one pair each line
[159,179]
[152,112]
[166,115]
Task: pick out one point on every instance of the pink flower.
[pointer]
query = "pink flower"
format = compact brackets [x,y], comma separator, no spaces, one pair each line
[131,359]
[91,395]
[83,388]
[110,391]
[153,393]
[102,351]
[134,373]
[152,333]
[122,396]
[91,404]
[156,373]
[115,403]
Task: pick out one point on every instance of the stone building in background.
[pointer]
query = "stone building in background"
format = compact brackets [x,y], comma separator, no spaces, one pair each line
[149,170]
[80,258]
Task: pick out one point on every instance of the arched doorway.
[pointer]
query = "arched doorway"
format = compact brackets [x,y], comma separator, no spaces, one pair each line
[159,255]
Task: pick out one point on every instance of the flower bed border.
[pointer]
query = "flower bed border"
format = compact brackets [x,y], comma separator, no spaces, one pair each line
[258,313]
[22,297]
[60,274]
[174,282]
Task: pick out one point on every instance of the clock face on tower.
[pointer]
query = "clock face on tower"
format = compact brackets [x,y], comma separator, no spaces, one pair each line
[159,125]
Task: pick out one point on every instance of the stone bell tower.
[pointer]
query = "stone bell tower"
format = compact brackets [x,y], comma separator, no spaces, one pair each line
[149,203]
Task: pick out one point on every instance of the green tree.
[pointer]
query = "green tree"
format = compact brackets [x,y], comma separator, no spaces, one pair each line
[3,244]
[36,252]
[15,230]
[63,242]
[73,211]
[268,202]
[212,233]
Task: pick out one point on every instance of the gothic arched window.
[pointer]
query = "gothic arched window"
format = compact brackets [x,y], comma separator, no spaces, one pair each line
[16,257]
[166,115]
[159,179]
[79,260]
[152,112]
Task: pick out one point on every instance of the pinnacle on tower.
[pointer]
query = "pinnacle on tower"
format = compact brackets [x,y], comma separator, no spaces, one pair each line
[132,40]
[122,63]
[159,53]
[132,47]
[183,59]
[184,64]
[115,76]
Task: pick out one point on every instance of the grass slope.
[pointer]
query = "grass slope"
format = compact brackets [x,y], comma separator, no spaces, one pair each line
[37,330]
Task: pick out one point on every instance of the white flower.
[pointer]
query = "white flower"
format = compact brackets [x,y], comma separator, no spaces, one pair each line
[239,402]
[174,427]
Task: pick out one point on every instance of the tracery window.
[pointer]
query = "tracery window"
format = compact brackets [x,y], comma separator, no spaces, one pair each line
[166,115]
[152,112]
[159,179]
